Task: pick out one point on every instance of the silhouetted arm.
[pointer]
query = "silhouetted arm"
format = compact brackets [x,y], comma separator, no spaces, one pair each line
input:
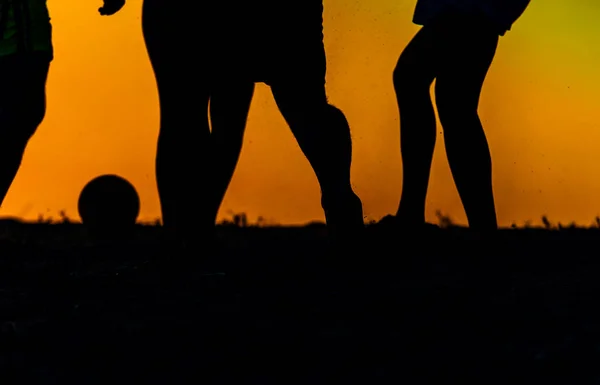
[111,7]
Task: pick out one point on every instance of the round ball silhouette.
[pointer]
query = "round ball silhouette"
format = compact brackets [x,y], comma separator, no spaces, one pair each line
[109,205]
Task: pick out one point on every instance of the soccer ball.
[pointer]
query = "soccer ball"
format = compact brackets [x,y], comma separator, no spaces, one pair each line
[109,206]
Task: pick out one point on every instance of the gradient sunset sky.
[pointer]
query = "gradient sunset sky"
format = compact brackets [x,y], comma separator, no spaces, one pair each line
[540,107]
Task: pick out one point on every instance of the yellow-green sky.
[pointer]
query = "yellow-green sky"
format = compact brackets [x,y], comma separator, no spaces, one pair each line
[540,107]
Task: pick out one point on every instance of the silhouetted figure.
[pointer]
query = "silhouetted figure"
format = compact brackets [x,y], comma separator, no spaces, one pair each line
[213,56]
[25,56]
[455,46]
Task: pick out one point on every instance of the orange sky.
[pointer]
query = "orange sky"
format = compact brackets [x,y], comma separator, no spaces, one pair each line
[539,107]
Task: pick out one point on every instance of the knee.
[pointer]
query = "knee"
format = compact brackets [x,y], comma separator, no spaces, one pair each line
[403,75]
[453,110]
[399,76]
[456,102]
[35,117]
[20,125]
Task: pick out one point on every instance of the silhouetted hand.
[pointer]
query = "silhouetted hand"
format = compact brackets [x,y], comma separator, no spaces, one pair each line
[111,7]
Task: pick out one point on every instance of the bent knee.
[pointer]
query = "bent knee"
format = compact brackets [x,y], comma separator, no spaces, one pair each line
[452,113]
[20,125]
[35,117]
[407,81]
[454,109]
[455,96]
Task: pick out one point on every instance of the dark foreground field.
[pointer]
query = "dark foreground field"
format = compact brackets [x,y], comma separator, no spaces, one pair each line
[439,308]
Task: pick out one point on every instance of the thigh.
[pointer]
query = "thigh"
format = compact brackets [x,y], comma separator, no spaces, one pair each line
[418,63]
[301,65]
[229,107]
[182,45]
[289,43]
[179,54]
[23,88]
[299,98]
[303,105]
[465,56]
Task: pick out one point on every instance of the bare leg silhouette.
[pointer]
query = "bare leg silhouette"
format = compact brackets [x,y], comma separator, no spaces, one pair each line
[193,165]
[22,109]
[187,83]
[229,107]
[323,135]
[294,66]
[458,53]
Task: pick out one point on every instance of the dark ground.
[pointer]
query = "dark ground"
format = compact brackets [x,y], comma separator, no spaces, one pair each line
[437,308]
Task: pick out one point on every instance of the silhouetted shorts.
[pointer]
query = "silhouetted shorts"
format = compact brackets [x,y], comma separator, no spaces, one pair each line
[286,42]
[262,41]
[286,60]
[271,45]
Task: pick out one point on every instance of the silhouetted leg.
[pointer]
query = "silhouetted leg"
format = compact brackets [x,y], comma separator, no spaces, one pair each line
[413,77]
[22,109]
[182,153]
[468,54]
[193,166]
[190,206]
[465,63]
[323,134]
[229,107]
